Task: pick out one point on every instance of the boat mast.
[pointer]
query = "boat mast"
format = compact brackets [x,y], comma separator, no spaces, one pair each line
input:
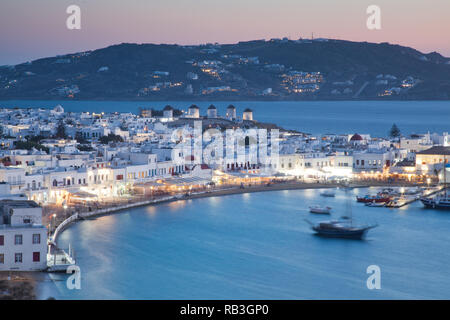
[349,208]
[445,176]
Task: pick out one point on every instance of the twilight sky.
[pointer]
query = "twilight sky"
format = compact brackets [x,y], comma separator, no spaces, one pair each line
[31,29]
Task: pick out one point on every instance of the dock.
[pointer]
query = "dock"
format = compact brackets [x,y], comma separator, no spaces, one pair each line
[59,260]
[408,199]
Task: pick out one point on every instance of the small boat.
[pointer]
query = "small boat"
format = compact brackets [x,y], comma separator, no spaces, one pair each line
[340,229]
[441,202]
[328,193]
[320,210]
[372,199]
[412,191]
[375,204]
[438,202]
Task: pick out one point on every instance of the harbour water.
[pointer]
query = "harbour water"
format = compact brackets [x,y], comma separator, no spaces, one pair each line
[316,117]
[258,246]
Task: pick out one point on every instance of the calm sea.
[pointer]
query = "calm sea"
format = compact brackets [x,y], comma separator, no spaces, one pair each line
[258,246]
[372,117]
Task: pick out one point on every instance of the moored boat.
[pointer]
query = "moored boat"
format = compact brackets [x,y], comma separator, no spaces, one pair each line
[438,202]
[441,202]
[372,199]
[320,210]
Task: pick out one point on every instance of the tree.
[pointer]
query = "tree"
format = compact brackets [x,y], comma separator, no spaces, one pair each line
[28,145]
[61,131]
[84,147]
[394,132]
[80,139]
[110,138]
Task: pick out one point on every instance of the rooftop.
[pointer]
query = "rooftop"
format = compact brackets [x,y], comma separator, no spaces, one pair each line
[19,203]
[437,150]
[356,137]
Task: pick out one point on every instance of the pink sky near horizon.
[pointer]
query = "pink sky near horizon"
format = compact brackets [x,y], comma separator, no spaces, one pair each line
[30,30]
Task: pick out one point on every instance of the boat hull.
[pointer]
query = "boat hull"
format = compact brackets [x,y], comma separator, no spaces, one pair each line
[349,234]
[320,210]
[369,200]
[432,204]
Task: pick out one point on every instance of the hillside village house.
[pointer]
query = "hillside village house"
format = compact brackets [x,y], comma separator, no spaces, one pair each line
[23,238]
[376,159]
[416,143]
[432,160]
[104,171]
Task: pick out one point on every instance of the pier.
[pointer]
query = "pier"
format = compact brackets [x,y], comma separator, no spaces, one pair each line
[404,200]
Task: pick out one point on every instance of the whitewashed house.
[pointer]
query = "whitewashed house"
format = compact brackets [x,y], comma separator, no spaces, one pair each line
[23,238]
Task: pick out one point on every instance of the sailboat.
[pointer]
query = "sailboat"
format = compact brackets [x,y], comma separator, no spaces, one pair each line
[441,201]
[341,228]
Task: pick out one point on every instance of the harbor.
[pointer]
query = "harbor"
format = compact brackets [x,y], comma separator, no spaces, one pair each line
[215,157]
[258,234]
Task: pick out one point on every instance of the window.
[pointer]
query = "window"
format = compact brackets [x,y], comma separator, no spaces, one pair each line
[2,240]
[2,258]
[36,238]
[18,258]
[36,256]
[18,239]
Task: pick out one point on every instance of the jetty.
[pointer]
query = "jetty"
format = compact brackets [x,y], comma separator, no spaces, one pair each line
[408,199]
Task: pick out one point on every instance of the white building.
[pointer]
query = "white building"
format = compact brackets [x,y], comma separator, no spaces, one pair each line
[193,111]
[248,115]
[416,143]
[231,112]
[23,238]
[433,159]
[377,160]
[212,112]
[168,113]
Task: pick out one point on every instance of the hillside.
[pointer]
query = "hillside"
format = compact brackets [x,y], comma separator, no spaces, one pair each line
[278,69]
